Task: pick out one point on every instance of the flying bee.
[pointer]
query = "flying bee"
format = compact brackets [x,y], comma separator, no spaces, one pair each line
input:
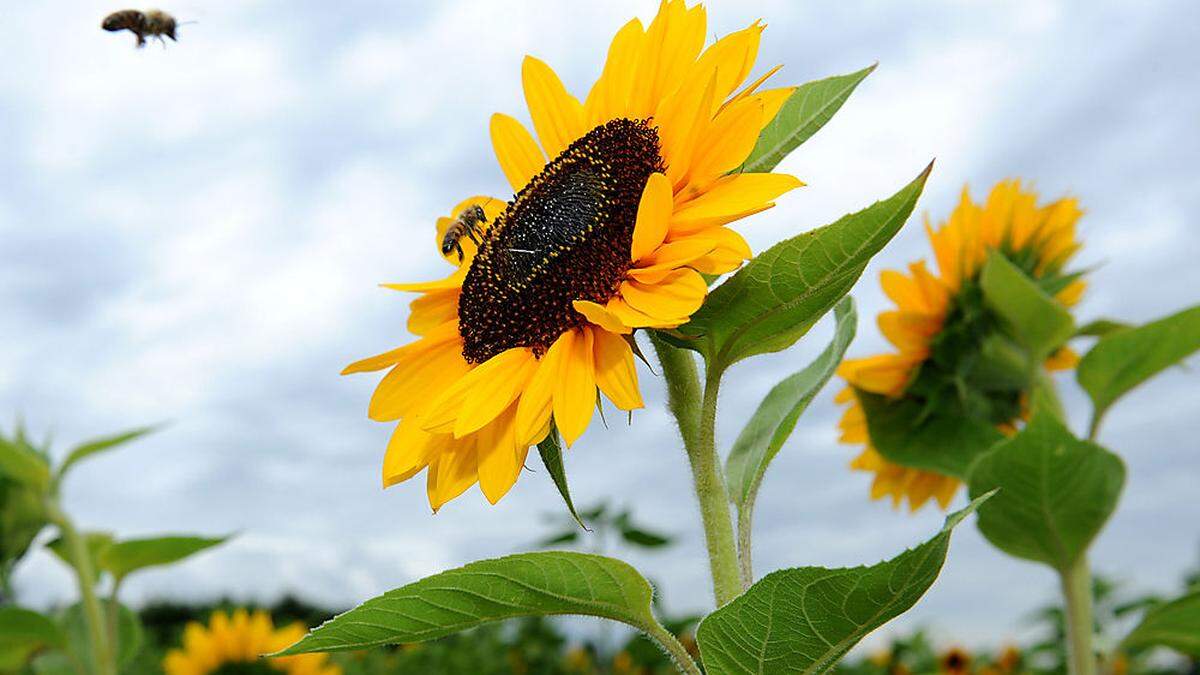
[467,224]
[153,23]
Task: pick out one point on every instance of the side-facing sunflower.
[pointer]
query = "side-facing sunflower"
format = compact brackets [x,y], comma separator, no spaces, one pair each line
[941,329]
[231,645]
[620,205]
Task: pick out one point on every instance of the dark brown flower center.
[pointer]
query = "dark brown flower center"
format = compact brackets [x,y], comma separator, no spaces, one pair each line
[566,236]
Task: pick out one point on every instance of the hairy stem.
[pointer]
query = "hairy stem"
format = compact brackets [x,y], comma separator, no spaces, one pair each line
[102,655]
[745,522]
[1077,593]
[696,414]
[678,653]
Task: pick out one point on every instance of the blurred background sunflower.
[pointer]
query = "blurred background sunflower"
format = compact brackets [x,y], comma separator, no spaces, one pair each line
[236,643]
[952,356]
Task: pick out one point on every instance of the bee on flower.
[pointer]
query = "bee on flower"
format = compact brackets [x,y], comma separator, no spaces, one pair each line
[945,337]
[622,201]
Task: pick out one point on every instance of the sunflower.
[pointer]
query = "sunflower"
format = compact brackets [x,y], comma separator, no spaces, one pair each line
[621,206]
[955,661]
[939,326]
[235,644]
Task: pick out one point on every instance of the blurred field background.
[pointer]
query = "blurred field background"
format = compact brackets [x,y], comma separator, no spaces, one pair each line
[194,234]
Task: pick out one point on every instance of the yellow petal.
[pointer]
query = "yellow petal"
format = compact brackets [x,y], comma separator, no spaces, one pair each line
[670,46]
[609,98]
[478,396]
[727,142]
[408,452]
[681,119]
[519,156]
[453,281]
[671,256]
[499,458]
[492,391]
[679,294]
[432,310]
[417,378]
[732,57]
[728,254]
[575,385]
[533,411]
[653,216]
[731,196]
[637,319]
[557,115]
[600,316]
[749,89]
[772,101]
[616,374]
[452,472]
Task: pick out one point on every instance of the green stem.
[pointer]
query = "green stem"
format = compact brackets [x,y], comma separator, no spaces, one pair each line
[114,615]
[82,561]
[1077,592]
[697,426]
[745,521]
[1094,427]
[683,660]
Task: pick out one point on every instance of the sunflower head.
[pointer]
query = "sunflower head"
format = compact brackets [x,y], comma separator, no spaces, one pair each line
[234,644]
[953,356]
[619,206]
[954,661]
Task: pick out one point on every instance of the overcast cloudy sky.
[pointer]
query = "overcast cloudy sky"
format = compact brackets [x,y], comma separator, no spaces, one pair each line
[194,235]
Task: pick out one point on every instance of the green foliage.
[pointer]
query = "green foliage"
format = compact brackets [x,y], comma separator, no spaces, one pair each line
[1175,624]
[24,465]
[123,557]
[23,632]
[1037,321]
[776,417]
[905,433]
[1056,492]
[1101,328]
[525,584]
[73,623]
[803,620]
[95,542]
[1123,359]
[777,297]
[89,448]
[550,450]
[22,517]
[808,109]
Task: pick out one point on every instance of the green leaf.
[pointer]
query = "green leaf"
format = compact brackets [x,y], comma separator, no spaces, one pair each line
[21,464]
[98,445]
[1056,492]
[129,633]
[1101,328]
[22,633]
[776,417]
[777,297]
[94,542]
[123,557]
[1039,322]
[1122,360]
[550,450]
[525,584]
[802,620]
[1175,624]
[945,444]
[566,537]
[643,538]
[802,115]
[22,517]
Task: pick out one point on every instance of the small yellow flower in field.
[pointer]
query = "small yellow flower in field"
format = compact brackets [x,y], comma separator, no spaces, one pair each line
[939,323]
[236,644]
[621,203]
[1009,659]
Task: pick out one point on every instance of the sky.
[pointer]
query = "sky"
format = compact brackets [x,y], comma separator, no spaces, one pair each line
[194,235]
